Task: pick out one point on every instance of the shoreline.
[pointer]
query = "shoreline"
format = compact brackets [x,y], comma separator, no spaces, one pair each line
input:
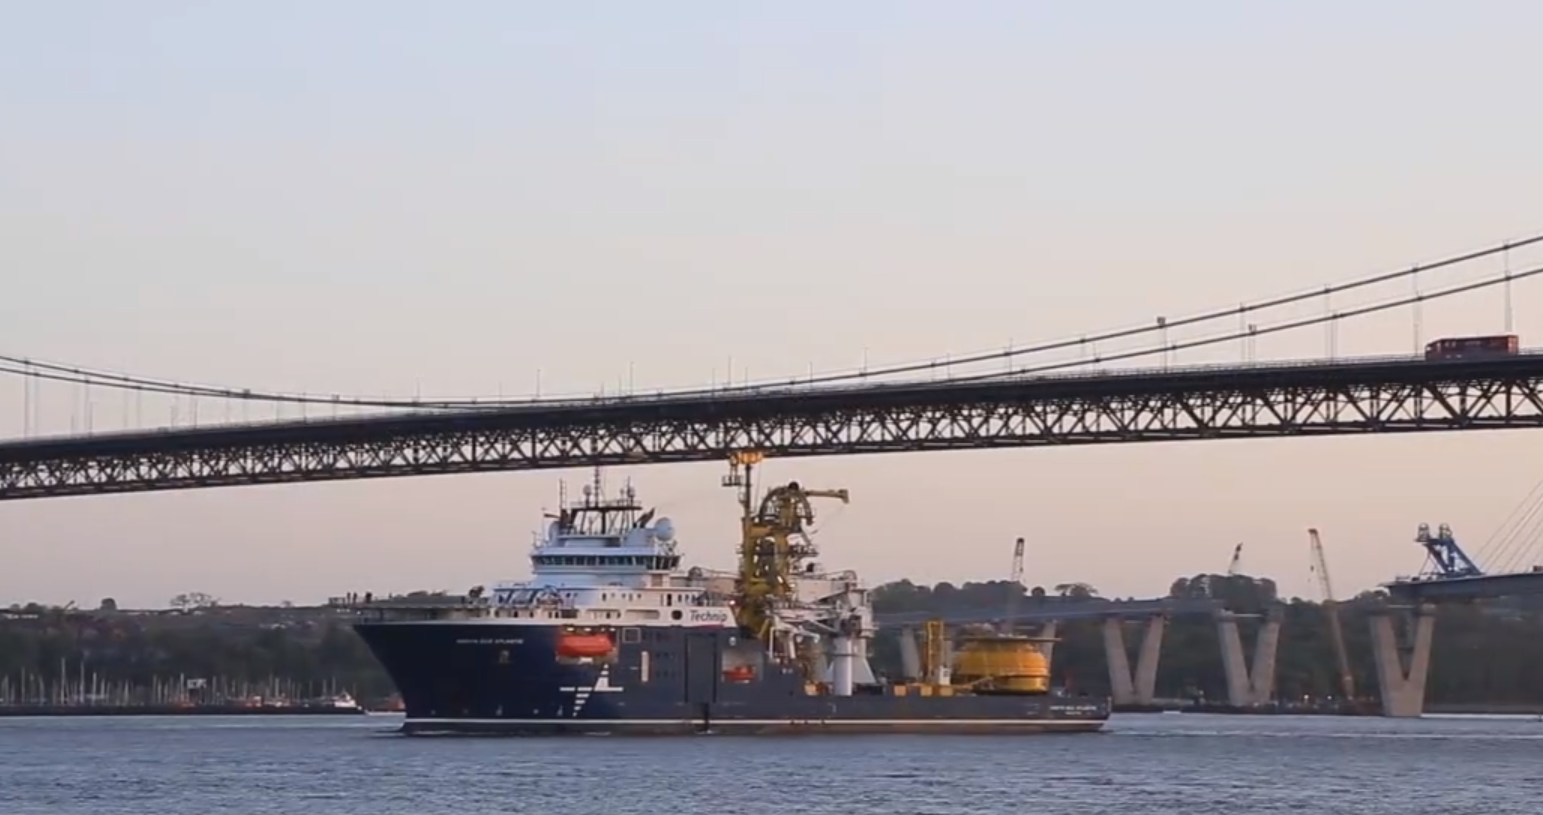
[49,711]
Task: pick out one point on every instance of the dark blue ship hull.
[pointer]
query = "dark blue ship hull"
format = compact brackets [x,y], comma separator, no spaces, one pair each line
[492,678]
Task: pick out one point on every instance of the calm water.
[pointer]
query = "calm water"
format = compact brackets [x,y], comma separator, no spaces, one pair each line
[1189,764]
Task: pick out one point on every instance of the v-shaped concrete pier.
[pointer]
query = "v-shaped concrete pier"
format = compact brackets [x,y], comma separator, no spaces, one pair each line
[1249,685]
[1140,689]
[1403,664]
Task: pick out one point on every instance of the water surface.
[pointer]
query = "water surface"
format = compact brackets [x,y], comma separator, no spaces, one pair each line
[1159,764]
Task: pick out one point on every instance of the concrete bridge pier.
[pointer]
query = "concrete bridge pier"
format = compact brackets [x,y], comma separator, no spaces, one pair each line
[1249,685]
[1047,631]
[910,655]
[1402,666]
[1140,689]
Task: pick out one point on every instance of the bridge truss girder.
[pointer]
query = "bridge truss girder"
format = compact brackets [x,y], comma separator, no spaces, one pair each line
[1257,403]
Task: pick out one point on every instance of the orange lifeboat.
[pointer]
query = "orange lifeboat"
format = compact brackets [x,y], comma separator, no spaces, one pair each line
[739,673]
[578,646]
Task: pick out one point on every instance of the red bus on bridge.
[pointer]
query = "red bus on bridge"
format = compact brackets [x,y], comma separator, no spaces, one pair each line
[1497,345]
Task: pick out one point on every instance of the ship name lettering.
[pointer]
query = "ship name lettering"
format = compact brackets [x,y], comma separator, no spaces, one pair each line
[489,641]
[698,616]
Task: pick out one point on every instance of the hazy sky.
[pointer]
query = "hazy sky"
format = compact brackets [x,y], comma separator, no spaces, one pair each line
[396,198]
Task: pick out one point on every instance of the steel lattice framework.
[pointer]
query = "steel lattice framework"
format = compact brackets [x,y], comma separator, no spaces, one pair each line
[1378,396]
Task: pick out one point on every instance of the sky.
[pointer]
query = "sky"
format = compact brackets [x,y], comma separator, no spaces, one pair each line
[491,198]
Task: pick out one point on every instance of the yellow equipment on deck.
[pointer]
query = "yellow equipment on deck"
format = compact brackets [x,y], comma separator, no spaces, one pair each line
[986,662]
[1001,663]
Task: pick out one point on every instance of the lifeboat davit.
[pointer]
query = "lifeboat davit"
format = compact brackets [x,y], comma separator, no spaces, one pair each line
[576,646]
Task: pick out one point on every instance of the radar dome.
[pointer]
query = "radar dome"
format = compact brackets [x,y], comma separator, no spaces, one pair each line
[664,529]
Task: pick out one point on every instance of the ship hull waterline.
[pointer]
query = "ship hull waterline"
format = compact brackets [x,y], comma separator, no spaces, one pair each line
[731,727]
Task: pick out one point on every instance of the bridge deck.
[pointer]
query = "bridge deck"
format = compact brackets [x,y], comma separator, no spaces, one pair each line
[1060,611]
[1482,587]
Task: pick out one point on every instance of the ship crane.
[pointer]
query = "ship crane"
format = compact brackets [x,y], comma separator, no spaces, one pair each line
[1320,565]
[774,544]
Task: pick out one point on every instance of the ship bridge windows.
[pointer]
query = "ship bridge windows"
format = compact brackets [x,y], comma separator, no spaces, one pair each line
[516,597]
[657,563]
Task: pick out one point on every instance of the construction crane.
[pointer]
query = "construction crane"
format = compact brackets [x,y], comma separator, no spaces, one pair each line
[1320,565]
[1232,571]
[1014,587]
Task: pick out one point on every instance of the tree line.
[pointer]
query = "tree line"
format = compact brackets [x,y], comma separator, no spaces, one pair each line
[1489,653]
[43,648]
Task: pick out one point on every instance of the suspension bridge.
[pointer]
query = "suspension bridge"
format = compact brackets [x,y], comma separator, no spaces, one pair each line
[1021,402]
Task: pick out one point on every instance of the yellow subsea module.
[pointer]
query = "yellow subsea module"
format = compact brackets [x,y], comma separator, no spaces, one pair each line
[1001,663]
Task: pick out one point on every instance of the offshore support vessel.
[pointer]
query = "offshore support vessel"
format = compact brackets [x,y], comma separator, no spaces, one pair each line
[610,635]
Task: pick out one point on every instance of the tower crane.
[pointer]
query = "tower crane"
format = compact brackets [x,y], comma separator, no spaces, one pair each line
[1320,565]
